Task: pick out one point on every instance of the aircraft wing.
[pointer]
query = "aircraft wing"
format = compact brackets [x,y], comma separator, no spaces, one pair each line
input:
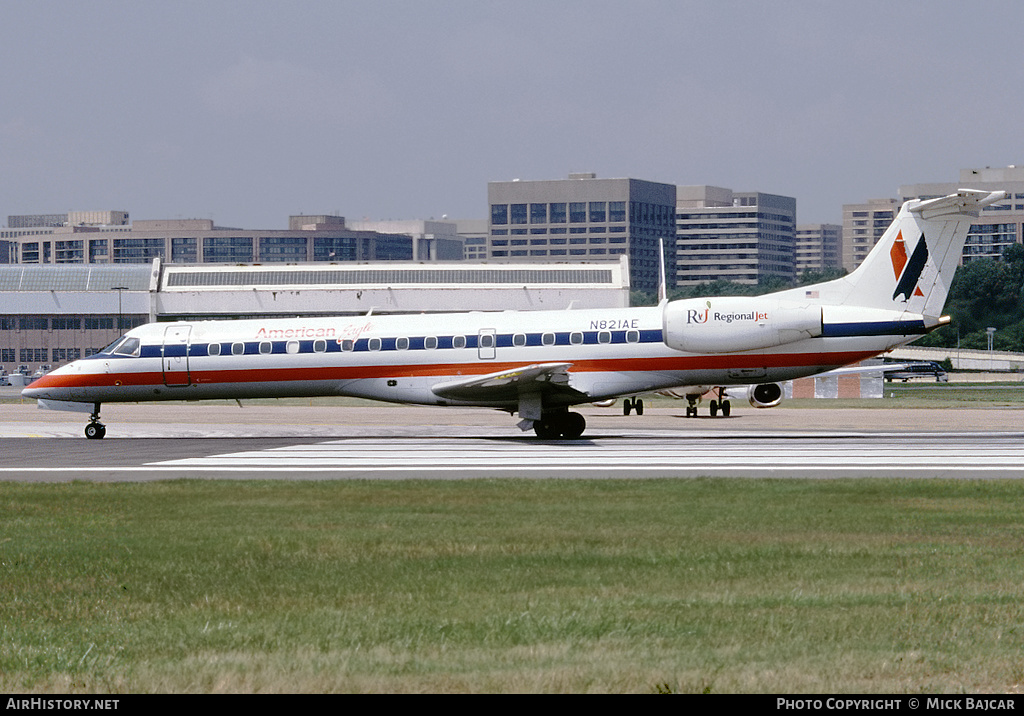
[511,385]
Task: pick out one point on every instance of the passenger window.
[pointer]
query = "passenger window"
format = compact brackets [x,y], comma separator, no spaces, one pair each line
[604,336]
[374,344]
[487,340]
[548,339]
[237,349]
[459,342]
[348,345]
[266,347]
[213,349]
[576,338]
[519,339]
[632,336]
[320,346]
[402,344]
[292,347]
[430,342]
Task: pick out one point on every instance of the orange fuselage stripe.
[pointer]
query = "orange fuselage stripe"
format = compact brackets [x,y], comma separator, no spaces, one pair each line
[358,372]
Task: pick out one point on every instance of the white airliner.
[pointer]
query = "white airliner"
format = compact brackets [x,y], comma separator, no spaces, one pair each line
[539,364]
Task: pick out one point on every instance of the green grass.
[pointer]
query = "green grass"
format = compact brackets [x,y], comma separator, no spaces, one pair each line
[967,395]
[607,586]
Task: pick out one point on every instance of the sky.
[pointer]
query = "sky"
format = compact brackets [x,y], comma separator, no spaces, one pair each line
[246,112]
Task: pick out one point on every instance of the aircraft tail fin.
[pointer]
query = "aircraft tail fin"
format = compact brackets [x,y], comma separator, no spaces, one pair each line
[912,265]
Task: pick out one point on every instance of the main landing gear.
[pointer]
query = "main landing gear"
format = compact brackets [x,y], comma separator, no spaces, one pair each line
[560,424]
[95,430]
[631,404]
[724,406]
[722,403]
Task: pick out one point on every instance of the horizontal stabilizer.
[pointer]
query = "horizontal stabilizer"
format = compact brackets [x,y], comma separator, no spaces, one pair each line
[968,202]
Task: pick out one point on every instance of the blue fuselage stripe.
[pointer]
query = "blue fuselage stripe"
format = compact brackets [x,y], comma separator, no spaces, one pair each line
[874,328]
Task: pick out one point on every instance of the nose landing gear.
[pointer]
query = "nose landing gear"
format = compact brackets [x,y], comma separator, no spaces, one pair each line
[95,430]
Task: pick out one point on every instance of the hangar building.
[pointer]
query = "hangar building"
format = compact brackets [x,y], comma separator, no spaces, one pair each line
[50,315]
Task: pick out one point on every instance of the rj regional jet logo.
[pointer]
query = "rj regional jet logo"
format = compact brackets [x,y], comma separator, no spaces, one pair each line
[908,270]
[697,316]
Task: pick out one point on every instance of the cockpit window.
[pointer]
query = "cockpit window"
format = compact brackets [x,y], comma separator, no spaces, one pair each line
[128,347]
[123,346]
[110,348]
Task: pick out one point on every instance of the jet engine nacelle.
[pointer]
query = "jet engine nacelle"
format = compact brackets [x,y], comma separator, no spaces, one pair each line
[764,395]
[736,323]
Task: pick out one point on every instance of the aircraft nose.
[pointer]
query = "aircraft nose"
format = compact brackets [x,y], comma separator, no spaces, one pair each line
[40,387]
[33,390]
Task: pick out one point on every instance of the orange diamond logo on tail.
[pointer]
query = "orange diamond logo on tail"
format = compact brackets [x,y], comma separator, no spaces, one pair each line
[898,254]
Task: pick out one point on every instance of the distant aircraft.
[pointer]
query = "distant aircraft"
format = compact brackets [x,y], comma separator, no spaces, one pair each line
[917,369]
[539,364]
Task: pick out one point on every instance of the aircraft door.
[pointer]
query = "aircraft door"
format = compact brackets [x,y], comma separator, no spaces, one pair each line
[175,355]
[485,343]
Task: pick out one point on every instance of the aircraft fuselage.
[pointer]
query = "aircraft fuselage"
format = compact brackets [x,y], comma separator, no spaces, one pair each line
[402,358]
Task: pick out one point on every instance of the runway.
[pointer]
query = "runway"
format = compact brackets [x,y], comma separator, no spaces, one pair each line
[402,443]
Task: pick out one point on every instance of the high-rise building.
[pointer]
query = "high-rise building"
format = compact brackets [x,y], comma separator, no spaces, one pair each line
[733,236]
[583,218]
[818,247]
[863,226]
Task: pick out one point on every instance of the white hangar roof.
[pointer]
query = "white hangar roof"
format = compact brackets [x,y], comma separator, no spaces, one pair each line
[167,291]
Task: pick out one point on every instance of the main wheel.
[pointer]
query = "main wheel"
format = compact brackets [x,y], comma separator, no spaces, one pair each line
[546,429]
[726,408]
[573,426]
[627,406]
[638,404]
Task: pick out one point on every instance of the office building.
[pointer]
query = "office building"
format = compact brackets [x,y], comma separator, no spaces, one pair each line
[432,240]
[742,237]
[818,247]
[473,233]
[583,218]
[308,238]
[863,226]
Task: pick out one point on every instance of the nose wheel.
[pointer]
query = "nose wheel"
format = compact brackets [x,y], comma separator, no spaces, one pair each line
[95,430]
